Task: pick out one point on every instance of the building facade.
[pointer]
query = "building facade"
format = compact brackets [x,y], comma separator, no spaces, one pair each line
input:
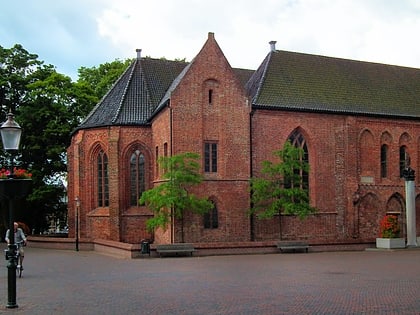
[357,122]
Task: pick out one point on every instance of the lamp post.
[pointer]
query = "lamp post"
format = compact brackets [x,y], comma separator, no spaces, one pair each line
[77,200]
[10,135]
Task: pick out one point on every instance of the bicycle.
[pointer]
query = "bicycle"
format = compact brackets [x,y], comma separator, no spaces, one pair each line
[18,257]
[19,267]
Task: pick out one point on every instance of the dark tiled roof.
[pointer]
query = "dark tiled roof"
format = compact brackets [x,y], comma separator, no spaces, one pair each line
[243,75]
[284,80]
[138,93]
[135,95]
[296,81]
[172,87]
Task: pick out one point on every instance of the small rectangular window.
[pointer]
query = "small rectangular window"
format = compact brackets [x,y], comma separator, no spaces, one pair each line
[210,157]
[210,96]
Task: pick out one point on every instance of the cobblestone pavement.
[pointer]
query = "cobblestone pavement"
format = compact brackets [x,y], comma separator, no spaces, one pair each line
[70,282]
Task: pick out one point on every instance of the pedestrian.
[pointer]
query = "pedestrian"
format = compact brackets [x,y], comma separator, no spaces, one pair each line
[20,239]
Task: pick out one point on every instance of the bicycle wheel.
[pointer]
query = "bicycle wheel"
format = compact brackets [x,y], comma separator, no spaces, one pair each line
[19,267]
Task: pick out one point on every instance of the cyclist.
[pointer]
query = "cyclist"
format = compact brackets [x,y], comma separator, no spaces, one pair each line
[20,239]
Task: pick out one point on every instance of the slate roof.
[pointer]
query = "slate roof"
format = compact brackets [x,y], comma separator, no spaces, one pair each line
[302,82]
[140,92]
[284,81]
[135,95]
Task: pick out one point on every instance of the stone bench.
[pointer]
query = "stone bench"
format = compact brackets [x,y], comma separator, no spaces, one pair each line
[293,246]
[175,249]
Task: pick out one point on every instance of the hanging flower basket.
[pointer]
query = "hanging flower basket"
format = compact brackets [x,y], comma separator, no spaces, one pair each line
[15,188]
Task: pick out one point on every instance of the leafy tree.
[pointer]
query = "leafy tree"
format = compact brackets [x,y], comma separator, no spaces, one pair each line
[172,196]
[280,190]
[48,106]
[48,118]
[101,78]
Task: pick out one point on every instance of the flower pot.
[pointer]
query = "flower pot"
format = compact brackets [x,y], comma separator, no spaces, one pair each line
[15,188]
[389,243]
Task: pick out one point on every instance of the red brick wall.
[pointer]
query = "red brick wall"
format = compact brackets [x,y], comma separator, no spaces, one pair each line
[342,161]
[224,120]
[118,221]
[344,156]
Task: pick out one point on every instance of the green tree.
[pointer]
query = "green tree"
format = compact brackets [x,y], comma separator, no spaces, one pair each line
[48,106]
[51,112]
[172,196]
[100,79]
[281,189]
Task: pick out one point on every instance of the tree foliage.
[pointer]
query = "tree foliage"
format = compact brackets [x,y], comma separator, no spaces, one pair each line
[279,190]
[101,78]
[172,197]
[48,106]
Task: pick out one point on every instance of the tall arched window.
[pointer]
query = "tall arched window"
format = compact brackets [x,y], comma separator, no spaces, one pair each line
[297,139]
[404,159]
[384,161]
[137,177]
[367,145]
[211,218]
[102,179]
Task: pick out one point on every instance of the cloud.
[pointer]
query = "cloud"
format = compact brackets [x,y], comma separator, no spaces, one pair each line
[63,34]
[71,34]
[358,29]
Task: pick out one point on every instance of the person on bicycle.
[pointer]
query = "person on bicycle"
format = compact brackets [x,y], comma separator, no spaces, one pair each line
[20,238]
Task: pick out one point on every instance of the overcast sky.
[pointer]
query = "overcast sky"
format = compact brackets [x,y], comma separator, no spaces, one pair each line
[71,34]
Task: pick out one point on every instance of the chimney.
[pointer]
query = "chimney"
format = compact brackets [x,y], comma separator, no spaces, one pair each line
[210,35]
[273,45]
[138,51]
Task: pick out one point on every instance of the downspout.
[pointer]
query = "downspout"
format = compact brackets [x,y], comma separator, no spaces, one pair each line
[170,154]
[251,217]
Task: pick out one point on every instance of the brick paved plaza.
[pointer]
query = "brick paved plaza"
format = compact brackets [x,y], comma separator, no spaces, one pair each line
[69,282]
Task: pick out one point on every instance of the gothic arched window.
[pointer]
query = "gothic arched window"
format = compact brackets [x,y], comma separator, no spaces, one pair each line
[102,179]
[297,139]
[384,161]
[211,218]
[404,157]
[137,177]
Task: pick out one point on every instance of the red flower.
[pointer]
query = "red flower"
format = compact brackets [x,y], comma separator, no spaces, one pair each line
[18,173]
[390,227]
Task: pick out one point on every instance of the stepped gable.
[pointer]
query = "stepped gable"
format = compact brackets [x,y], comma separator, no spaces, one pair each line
[303,82]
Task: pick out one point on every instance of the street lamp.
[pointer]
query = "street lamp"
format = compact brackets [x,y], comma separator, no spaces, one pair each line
[10,135]
[77,200]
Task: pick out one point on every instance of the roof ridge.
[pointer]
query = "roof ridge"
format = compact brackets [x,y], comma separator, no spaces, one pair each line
[124,94]
[92,112]
[345,59]
[256,81]
[264,74]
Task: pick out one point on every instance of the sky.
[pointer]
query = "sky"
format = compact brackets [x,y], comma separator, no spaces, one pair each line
[72,34]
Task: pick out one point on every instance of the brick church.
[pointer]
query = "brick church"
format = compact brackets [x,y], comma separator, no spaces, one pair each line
[357,123]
